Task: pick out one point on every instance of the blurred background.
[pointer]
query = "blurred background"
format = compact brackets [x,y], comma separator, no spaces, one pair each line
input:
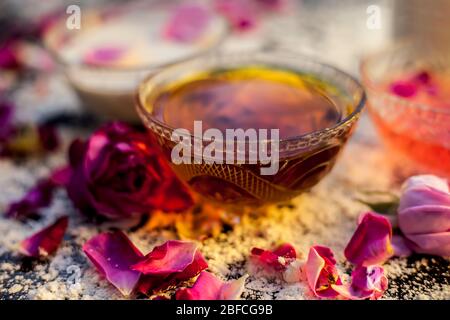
[336,30]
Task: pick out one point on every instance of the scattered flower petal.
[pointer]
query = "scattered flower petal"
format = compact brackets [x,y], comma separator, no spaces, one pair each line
[277,259]
[113,254]
[168,264]
[46,241]
[187,22]
[40,196]
[367,283]
[209,287]
[371,242]
[321,272]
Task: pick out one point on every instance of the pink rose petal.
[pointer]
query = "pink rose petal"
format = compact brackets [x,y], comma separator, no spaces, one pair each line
[277,259]
[46,241]
[40,196]
[424,219]
[321,272]
[113,254]
[371,242]
[432,243]
[367,283]
[168,264]
[187,23]
[209,287]
[240,14]
[404,89]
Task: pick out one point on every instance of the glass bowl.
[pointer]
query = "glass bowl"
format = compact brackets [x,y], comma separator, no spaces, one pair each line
[108,89]
[303,160]
[415,131]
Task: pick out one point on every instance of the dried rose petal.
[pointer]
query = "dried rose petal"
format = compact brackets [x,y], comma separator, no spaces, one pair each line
[277,259]
[367,283]
[170,257]
[240,14]
[168,264]
[321,272]
[113,254]
[40,196]
[188,22]
[209,287]
[371,242]
[405,89]
[46,241]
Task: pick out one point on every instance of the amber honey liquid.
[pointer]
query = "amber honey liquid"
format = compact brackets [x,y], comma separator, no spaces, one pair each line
[259,98]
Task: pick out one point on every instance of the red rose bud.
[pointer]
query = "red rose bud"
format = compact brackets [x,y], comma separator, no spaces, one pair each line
[119,173]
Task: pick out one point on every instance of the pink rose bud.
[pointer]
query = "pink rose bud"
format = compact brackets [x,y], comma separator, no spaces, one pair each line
[424,214]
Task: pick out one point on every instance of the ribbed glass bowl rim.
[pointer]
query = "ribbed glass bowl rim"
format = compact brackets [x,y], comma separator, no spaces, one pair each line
[59,24]
[370,85]
[361,100]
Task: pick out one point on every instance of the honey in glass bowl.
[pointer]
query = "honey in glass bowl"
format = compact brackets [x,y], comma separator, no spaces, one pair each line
[313,106]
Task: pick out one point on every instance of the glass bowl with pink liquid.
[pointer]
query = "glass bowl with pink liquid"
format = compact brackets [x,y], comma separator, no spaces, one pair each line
[408,89]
